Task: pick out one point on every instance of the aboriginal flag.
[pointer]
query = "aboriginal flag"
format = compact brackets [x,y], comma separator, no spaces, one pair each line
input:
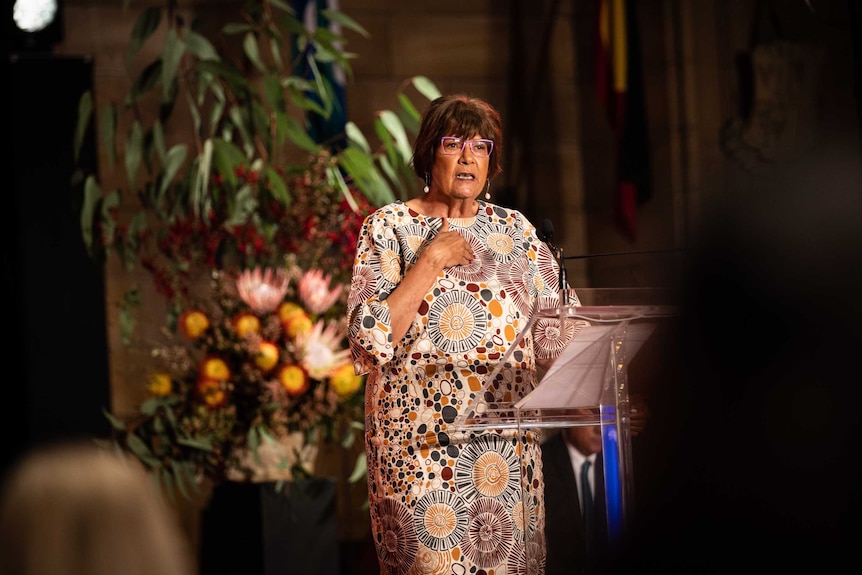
[619,83]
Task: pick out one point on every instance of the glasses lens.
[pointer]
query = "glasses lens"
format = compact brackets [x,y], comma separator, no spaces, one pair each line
[481,147]
[451,145]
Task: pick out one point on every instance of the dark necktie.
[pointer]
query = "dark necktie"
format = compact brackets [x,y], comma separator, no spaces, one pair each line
[587,511]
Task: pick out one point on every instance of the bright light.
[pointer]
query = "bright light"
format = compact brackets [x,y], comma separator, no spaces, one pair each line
[34,15]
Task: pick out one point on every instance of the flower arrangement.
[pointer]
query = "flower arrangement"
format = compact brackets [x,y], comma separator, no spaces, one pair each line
[259,372]
[215,187]
[255,373]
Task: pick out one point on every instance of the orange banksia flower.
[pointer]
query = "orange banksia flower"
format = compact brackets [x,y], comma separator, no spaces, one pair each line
[193,323]
[159,384]
[212,393]
[246,323]
[214,368]
[344,380]
[293,380]
[267,357]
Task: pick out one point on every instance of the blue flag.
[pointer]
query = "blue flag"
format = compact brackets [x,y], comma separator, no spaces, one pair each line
[324,130]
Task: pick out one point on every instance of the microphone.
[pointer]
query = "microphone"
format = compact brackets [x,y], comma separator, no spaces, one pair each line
[546,234]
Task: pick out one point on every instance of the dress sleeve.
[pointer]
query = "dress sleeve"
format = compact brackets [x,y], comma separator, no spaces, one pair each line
[377,270]
[549,337]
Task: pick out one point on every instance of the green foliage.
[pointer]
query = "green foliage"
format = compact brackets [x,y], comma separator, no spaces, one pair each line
[203,110]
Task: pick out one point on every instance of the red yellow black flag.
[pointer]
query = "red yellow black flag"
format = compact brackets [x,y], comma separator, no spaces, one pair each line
[619,84]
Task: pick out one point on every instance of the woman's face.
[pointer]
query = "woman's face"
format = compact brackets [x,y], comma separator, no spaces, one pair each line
[461,173]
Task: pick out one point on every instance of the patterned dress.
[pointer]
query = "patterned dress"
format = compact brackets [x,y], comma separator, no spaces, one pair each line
[444,500]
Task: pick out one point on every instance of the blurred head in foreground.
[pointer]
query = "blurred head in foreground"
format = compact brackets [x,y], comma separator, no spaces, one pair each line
[79,509]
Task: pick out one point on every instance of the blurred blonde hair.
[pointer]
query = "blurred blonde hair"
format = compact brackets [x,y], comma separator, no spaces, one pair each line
[81,509]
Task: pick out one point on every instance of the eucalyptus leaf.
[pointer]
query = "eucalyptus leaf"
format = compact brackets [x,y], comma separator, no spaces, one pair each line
[194,112]
[204,444]
[92,197]
[273,93]
[276,186]
[227,158]
[346,21]
[116,423]
[324,91]
[360,468]
[265,434]
[128,307]
[149,406]
[392,174]
[335,179]
[410,110]
[300,137]
[110,203]
[365,176]
[134,150]
[425,87]
[245,204]
[399,135]
[85,115]
[200,47]
[141,450]
[146,81]
[172,54]
[201,179]
[242,122]
[136,228]
[146,24]
[181,478]
[275,52]
[309,104]
[221,70]
[173,162]
[234,28]
[108,129]
[283,6]
[355,135]
[250,48]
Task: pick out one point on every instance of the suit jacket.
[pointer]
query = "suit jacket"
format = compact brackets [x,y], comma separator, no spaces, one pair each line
[567,552]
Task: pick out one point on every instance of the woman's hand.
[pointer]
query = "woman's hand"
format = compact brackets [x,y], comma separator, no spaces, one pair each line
[448,248]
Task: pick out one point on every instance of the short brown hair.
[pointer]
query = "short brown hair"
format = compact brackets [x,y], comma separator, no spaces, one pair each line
[461,116]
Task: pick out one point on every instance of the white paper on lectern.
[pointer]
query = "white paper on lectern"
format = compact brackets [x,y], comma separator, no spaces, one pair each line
[577,377]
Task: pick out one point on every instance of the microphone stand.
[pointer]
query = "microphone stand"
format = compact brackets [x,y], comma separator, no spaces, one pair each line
[564,282]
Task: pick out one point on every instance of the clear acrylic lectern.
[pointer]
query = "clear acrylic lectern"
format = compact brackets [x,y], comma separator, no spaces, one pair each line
[610,327]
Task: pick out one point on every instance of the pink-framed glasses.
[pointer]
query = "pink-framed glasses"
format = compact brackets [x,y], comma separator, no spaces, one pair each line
[450,145]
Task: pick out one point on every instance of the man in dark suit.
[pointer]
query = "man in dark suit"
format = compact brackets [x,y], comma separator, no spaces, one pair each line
[565,528]
[577,544]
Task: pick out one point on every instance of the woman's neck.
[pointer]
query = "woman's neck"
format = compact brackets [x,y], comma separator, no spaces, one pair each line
[459,209]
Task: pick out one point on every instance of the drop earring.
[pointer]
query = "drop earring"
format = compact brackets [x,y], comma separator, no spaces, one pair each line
[487,189]
[427,187]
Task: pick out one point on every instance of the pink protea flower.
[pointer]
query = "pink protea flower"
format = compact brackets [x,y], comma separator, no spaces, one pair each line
[262,290]
[319,351]
[315,293]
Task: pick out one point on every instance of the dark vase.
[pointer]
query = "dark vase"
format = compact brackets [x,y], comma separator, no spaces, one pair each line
[271,529]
